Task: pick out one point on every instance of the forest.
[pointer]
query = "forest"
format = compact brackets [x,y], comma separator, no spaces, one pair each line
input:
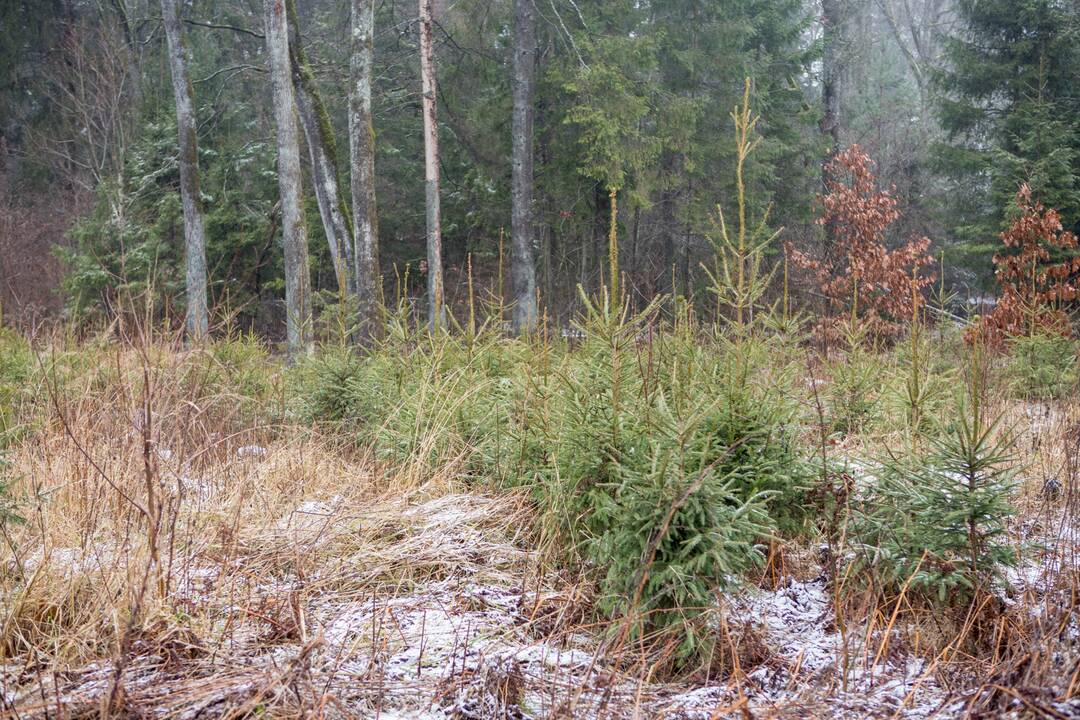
[522,359]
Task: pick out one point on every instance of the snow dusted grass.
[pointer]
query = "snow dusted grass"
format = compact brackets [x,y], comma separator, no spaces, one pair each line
[296,577]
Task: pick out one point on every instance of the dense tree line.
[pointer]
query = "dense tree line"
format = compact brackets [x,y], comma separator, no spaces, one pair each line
[269,162]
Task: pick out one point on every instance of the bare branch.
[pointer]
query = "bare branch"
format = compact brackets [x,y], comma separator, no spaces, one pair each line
[234,28]
[231,68]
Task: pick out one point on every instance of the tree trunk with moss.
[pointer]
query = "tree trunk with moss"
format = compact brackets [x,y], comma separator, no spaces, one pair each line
[436,313]
[362,155]
[322,148]
[523,81]
[194,236]
[297,273]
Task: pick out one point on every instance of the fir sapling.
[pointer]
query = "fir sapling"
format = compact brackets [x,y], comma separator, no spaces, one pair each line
[936,518]
[679,531]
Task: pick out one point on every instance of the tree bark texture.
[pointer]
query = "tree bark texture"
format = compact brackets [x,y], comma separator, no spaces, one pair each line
[523,82]
[294,232]
[322,148]
[436,312]
[194,235]
[362,154]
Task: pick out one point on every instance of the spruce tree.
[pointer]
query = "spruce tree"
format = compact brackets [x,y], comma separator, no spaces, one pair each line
[1010,110]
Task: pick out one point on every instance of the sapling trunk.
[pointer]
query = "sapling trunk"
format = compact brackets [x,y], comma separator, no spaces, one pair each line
[613,249]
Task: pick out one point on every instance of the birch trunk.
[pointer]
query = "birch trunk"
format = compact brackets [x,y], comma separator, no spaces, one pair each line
[294,232]
[523,81]
[436,314]
[194,236]
[324,162]
[362,155]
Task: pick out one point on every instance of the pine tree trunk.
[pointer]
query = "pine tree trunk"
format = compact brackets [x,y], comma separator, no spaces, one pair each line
[668,227]
[830,97]
[297,273]
[549,243]
[324,162]
[194,236]
[523,81]
[599,234]
[436,314]
[362,152]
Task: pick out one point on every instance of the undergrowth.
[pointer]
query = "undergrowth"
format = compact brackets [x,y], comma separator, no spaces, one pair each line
[665,461]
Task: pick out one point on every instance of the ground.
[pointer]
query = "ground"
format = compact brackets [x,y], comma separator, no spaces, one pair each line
[296,576]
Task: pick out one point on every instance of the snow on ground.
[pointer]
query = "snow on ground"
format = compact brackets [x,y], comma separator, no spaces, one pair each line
[809,654]
[467,644]
[429,649]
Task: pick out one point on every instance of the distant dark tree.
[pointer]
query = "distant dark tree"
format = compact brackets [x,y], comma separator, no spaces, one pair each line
[1009,104]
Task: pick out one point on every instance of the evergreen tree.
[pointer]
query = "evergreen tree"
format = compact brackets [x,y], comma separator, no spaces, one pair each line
[633,96]
[1009,107]
[937,521]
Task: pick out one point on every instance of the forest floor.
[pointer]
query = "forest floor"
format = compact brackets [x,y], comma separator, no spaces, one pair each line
[301,580]
[434,606]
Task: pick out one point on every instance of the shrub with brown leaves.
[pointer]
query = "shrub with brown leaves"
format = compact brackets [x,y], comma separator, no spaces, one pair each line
[1035,285]
[860,275]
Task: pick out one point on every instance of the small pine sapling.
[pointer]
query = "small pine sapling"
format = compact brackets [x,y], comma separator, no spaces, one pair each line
[923,391]
[737,278]
[854,391]
[597,418]
[682,532]
[1042,365]
[781,320]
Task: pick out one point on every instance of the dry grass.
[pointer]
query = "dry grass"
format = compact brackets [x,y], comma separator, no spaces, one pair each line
[190,552]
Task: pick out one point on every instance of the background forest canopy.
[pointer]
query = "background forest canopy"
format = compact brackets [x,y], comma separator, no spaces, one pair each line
[956,102]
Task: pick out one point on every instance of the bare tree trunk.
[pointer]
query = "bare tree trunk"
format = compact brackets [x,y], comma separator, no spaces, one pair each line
[194,236]
[297,273]
[362,151]
[688,290]
[322,147]
[523,81]
[548,241]
[666,283]
[830,96]
[436,313]
[131,45]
